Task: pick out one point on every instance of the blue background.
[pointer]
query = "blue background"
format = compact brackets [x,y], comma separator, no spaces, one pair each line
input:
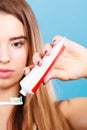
[66,18]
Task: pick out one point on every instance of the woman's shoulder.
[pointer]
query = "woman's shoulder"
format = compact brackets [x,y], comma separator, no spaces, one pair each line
[67,106]
[75,111]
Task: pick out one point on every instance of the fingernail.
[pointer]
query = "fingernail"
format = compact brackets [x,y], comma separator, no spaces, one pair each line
[44,83]
[38,63]
[54,40]
[25,71]
[45,52]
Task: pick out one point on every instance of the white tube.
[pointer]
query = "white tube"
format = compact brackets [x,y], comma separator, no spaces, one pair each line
[32,81]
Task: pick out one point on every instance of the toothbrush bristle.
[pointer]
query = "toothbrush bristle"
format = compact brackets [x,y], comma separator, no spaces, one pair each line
[16,99]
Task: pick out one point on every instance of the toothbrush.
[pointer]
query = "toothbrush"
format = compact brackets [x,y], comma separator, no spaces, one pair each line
[31,82]
[13,101]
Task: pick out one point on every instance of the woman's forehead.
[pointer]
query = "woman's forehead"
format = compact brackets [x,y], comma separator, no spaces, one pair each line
[10,25]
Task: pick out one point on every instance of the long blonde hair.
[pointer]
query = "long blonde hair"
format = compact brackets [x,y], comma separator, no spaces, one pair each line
[41,108]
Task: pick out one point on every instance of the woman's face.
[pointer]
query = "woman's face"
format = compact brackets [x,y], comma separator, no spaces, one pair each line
[13,50]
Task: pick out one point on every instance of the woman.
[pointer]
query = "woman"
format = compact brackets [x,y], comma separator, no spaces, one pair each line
[71,65]
[19,40]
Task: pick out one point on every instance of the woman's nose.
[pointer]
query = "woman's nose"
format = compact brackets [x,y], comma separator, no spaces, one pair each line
[4,55]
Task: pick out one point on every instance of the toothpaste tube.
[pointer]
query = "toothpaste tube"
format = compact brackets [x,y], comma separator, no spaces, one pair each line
[31,82]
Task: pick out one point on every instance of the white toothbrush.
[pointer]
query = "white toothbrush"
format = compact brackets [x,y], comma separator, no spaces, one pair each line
[13,101]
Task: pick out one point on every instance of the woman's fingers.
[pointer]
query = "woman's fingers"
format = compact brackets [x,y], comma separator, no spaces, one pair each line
[28,69]
[47,49]
[38,57]
[56,74]
[57,39]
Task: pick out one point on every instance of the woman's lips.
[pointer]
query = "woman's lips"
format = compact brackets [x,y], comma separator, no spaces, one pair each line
[4,73]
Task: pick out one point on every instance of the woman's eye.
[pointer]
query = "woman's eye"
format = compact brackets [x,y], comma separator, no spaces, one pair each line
[17,44]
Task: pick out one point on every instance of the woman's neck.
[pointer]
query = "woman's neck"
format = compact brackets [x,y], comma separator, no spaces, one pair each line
[6,110]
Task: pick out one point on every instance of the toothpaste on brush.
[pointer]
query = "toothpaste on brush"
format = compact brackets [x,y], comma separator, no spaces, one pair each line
[31,82]
[13,101]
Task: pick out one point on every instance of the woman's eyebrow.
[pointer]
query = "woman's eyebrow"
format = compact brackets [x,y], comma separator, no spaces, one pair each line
[18,37]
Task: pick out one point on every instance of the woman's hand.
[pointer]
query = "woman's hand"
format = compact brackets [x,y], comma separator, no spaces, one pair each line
[71,65]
